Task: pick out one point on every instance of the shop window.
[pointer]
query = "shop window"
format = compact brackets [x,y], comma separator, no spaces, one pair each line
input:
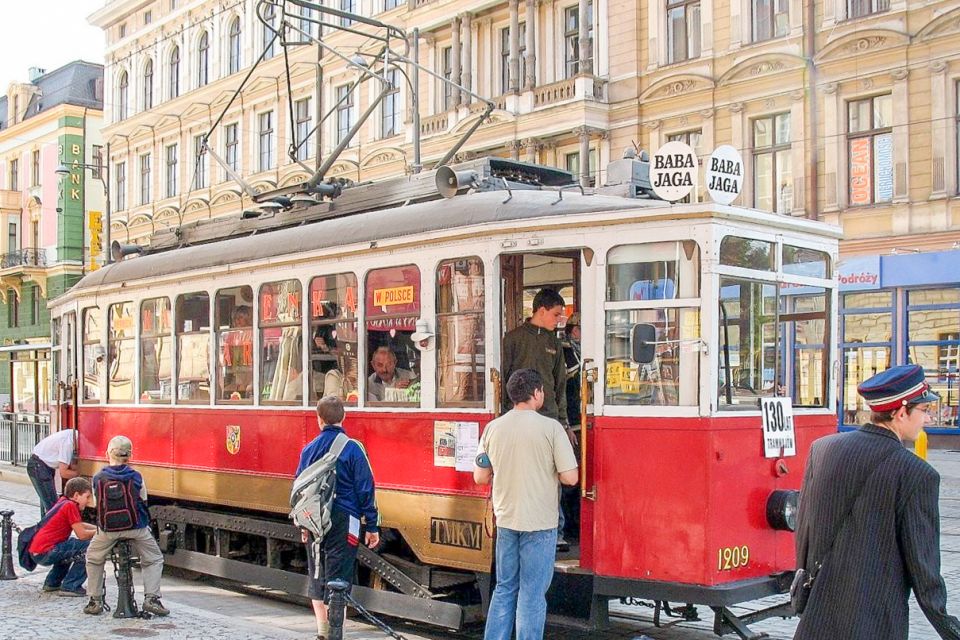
[193,348]
[156,349]
[867,324]
[460,333]
[653,288]
[92,355]
[392,308]
[120,352]
[747,253]
[803,333]
[933,342]
[234,333]
[333,338]
[281,344]
[870,150]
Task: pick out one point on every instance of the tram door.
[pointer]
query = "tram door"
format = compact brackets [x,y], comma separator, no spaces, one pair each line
[522,276]
[66,369]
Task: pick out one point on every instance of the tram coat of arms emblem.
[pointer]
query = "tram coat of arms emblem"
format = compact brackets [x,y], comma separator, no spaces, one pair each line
[233,438]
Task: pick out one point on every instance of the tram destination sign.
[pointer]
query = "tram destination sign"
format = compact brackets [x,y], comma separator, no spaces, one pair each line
[779,438]
[673,173]
[724,174]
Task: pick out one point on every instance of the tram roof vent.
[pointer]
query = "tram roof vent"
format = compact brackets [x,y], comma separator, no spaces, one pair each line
[629,177]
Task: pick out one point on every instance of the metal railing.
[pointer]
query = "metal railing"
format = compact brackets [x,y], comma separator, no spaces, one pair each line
[19,434]
[29,257]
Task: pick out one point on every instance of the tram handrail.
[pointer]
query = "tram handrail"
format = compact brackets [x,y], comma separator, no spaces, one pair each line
[586,378]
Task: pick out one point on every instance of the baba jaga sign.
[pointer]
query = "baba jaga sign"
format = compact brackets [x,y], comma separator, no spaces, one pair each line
[674,171]
[725,174]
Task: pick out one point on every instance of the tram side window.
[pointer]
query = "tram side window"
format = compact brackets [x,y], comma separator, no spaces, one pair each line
[234,329]
[156,349]
[121,346]
[653,295]
[460,338]
[748,342]
[803,344]
[92,355]
[333,338]
[392,309]
[193,348]
[281,346]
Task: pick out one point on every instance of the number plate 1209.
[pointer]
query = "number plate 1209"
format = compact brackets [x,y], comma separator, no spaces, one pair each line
[729,558]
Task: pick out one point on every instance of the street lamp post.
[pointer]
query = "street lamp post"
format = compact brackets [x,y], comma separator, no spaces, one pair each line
[102,172]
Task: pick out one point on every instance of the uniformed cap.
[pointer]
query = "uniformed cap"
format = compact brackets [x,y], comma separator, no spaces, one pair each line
[897,387]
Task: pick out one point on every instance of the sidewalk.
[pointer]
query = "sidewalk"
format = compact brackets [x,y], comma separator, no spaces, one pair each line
[198,610]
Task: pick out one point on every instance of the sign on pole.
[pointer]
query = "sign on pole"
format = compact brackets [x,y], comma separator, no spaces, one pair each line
[725,174]
[779,438]
[673,173]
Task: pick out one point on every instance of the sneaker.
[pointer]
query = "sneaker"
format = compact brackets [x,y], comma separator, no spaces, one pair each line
[73,593]
[94,607]
[49,588]
[152,604]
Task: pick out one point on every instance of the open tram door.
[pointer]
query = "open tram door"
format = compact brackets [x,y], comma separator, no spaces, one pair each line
[64,340]
[522,276]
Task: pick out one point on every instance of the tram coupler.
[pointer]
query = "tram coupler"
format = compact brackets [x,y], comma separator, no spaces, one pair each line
[123,569]
[6,560]
[336,610]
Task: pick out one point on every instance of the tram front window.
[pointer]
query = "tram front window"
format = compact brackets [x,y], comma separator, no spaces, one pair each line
[392,310]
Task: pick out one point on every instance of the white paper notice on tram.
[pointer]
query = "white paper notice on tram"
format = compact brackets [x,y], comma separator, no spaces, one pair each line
[779,438]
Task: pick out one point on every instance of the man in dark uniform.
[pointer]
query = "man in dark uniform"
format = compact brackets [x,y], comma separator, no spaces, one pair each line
[869,522]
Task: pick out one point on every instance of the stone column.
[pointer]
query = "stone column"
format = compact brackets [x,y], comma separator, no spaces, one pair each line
[514,146]
[455,60]
[583,134]
[514,61]
[901,135]
[467,24]
[585,63]
[834,174]
[532,146]
[943,144]
[530,57]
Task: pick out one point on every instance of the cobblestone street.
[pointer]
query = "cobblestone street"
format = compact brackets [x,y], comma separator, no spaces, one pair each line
[203,610]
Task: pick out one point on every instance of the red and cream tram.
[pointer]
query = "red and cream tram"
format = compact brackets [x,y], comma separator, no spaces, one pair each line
[211,356]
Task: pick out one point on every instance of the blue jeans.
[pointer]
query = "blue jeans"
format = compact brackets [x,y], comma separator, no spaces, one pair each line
[68,564]
[524,571]
[42,478]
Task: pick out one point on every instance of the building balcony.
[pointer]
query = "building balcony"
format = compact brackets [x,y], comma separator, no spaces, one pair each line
[29,257]
[10,200]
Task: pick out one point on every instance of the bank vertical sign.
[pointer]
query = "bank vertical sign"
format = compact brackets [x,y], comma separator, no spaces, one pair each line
[70,229]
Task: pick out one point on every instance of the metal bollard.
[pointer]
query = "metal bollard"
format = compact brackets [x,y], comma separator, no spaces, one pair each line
[122,566]
[336,610]
[6,560]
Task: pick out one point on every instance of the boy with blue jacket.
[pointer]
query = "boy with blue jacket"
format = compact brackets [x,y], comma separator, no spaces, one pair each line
[119,450]
[353,502]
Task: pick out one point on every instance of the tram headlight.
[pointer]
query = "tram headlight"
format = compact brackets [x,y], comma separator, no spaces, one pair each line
[782,509]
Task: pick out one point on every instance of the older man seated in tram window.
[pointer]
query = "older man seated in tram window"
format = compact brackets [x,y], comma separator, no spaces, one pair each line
[386,376]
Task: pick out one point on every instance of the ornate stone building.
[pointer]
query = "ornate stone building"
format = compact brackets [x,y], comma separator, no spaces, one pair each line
[53,118]
[845,111]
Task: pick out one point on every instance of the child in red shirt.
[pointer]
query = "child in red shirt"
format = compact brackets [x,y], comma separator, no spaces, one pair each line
[53,547]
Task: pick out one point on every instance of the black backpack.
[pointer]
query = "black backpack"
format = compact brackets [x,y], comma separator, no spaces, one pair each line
[27,535]
[116,505]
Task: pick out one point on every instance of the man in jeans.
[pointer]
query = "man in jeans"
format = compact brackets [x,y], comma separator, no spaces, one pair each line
[53,453]
[527,456]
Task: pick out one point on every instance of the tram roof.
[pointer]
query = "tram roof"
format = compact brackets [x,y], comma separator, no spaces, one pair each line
[471,210]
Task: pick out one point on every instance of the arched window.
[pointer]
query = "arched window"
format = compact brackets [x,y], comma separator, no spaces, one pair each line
[148,85]
[269,16]
[124,87]
[203,60]
[234,46]
[175,72]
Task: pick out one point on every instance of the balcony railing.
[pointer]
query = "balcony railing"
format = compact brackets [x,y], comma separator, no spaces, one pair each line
[24,258]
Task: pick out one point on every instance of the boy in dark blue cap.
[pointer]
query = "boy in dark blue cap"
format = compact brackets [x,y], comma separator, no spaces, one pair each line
[868,528]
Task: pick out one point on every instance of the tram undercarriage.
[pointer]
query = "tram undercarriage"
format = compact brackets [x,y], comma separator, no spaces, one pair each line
[268,553]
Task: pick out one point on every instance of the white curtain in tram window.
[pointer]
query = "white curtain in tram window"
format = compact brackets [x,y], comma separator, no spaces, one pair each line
[287,385]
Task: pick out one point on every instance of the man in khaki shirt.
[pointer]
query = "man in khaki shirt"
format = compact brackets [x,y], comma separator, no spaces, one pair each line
[527,456]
